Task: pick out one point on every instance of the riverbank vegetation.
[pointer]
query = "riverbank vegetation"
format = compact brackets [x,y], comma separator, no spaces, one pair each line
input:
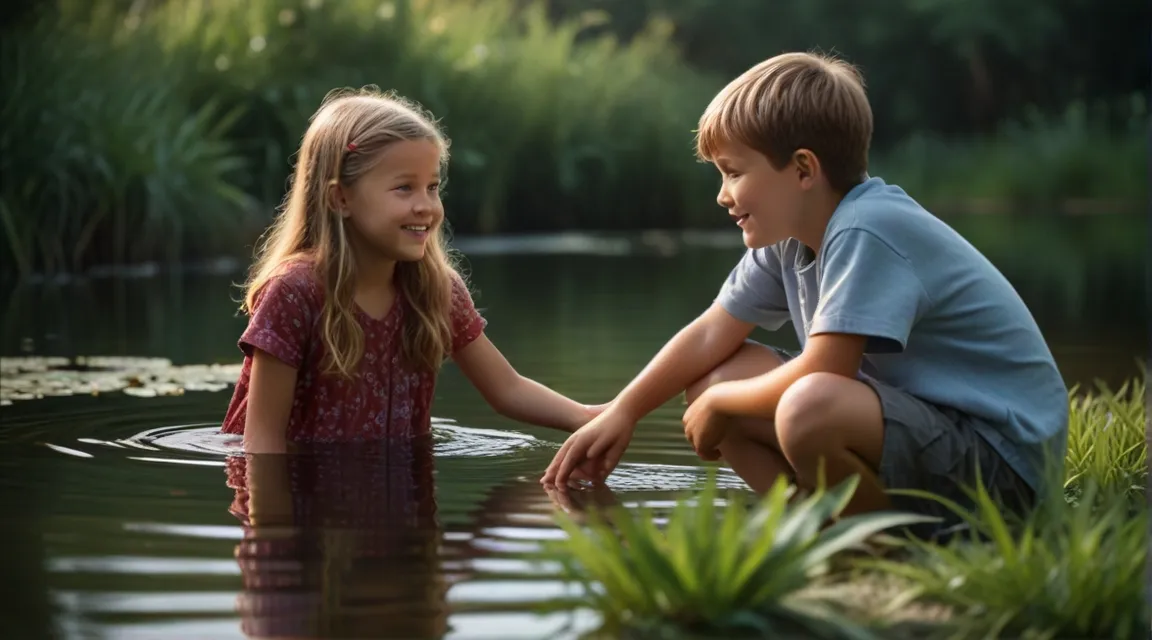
[1073,568]
[163,130]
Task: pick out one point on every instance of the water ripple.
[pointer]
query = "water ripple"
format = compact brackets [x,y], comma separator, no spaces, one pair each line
[450,440]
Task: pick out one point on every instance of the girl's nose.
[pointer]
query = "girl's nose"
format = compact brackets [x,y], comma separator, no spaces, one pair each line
[422,205]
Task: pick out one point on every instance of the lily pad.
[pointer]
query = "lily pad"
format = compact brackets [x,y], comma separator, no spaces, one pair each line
[31,378]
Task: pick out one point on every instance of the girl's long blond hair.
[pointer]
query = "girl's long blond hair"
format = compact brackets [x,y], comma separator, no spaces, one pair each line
[309,227]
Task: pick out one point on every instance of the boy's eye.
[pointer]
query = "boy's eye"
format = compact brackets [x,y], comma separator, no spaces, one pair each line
[434,186]
[404,187]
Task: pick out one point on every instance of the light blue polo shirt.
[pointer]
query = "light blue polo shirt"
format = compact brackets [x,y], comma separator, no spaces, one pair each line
[942,322]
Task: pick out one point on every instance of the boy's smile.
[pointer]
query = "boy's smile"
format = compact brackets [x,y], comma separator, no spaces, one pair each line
[762,201]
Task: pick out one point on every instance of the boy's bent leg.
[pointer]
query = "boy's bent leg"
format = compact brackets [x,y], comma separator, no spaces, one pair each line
[838,422]
[904,441]
[750,446]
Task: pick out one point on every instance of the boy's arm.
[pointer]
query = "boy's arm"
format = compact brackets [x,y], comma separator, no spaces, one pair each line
[758,397]
[694,351]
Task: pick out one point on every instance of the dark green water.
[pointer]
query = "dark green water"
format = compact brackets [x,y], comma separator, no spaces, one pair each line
[107,535]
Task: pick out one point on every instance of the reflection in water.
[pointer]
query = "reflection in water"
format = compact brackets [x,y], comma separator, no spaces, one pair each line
[340,542]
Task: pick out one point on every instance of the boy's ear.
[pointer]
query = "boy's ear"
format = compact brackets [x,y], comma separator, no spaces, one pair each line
[807,166]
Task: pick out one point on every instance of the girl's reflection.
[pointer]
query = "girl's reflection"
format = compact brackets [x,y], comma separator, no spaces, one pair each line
[340,541]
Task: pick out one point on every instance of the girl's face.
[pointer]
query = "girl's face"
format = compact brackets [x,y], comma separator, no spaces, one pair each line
[394,207]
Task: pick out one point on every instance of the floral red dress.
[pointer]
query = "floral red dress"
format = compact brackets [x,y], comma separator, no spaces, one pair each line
[386,399]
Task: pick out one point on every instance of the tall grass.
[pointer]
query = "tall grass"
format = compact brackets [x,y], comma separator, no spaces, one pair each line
[1092,158]
[1071,571]
[104,158]
[721,570]
[167,122]
[164,129]
[1107,442]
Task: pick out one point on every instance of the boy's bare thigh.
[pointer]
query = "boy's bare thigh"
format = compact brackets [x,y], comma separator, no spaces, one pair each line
[926,447]
[750,360]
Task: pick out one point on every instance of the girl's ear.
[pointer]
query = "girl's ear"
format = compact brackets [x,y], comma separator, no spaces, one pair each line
[338,199]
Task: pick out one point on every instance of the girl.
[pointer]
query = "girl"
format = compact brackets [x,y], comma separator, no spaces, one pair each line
[354,303]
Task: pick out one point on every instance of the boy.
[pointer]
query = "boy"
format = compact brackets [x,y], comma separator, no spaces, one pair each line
[920,362]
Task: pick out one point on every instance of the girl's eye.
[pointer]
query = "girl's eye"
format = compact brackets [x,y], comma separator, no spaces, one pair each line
[434,187]
[404,187]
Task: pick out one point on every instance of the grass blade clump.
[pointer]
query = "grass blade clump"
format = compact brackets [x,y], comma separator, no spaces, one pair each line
[723,569]
[1107,442]
[1066,571]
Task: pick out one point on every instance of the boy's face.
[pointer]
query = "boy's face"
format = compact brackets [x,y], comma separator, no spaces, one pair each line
[764,202]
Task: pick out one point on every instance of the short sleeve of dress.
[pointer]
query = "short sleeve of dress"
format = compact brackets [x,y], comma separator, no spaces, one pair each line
[467,323]
[282,319]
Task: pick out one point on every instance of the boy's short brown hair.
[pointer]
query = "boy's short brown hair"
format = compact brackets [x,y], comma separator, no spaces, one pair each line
[795,101]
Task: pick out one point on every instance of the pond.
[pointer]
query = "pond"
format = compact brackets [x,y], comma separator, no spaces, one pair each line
[120,521]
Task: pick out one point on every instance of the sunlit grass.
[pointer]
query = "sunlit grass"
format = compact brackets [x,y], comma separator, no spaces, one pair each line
[1069,571]
[1107,441]
[720,569]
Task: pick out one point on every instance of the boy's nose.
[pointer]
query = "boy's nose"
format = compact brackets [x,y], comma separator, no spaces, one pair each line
[724,199]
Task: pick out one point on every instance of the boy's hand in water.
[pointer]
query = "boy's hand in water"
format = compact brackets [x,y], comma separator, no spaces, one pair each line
[593,450]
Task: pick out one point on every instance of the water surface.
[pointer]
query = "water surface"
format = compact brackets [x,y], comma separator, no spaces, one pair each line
[121,519]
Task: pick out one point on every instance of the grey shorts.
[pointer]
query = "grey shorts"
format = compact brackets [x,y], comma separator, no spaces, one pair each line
[937,449]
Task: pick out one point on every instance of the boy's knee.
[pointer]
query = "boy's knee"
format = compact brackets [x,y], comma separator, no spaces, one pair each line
[803,415]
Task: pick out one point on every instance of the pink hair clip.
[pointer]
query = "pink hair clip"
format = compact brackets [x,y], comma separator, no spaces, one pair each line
[351,146]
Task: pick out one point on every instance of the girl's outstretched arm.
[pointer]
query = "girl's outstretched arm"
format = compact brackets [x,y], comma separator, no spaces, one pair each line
[514,396]
[270,394]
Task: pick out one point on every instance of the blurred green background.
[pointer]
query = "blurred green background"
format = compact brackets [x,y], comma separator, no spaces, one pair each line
[162,130]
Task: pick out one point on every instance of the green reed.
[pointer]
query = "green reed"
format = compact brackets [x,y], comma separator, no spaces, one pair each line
[1107,441]
[168,125]
[165,130]
[1092,158]
[1067,571]
[735,568]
